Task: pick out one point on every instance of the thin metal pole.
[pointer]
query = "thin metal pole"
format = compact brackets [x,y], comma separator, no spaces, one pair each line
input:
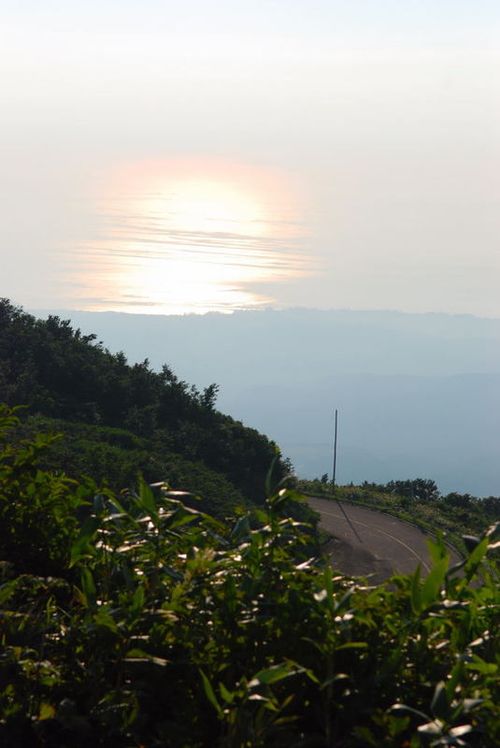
[334,471]
[334,475]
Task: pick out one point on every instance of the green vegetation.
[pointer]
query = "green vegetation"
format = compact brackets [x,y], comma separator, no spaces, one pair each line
[123,419]
[146,616]
[417,501]
[133,620]
[117,457]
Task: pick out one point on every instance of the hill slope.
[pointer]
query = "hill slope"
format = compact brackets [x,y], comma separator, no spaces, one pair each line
[419,394]
[67,376]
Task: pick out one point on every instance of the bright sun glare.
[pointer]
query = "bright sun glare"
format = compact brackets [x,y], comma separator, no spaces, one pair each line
[208,206]
[180,238]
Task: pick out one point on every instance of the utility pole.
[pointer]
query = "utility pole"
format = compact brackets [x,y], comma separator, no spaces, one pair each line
[334,475]
[334,471]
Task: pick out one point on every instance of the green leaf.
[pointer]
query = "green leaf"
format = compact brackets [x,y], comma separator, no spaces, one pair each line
[454,679]
[83,546]
[88,586]
[228,696]
[210,694]
[334,679]
[241,529]
[415,591]
[182,517]
[113,500]
[433,582]
[273,674]
[47,711]
[6,591]
[476,557]
[138,600]
[269,487]
[139,657]
[147,499]
[480,666]
[439,704]
[437,549]
[404,709]
[352,645]
[136,654]
[343,600]
[327,578]
[104,619]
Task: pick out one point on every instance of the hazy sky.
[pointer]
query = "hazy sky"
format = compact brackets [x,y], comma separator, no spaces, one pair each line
[166,156]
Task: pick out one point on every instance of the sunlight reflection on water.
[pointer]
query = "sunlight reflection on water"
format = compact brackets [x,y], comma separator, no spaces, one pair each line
[179,240]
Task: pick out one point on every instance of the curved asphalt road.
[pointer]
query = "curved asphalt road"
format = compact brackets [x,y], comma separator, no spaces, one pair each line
[381,546]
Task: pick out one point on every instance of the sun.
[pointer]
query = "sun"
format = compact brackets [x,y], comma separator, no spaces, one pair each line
[207,206]
[193,237]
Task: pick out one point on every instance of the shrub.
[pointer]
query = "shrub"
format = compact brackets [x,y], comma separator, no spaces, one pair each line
[38,509]
[174,629]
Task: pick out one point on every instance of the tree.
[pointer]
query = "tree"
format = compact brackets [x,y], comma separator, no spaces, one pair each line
[419,489]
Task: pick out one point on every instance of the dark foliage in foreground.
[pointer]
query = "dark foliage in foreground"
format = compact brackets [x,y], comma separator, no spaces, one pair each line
[133,620]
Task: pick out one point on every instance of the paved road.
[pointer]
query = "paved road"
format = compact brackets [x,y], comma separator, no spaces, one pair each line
[380,546]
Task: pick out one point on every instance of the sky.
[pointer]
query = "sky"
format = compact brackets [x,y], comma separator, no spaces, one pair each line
[169,158]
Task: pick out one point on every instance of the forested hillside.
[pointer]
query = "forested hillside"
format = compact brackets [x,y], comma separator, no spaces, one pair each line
[123,419]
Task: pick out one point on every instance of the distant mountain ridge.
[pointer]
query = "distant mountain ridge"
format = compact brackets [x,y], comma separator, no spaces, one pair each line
[371,342]
[419,394]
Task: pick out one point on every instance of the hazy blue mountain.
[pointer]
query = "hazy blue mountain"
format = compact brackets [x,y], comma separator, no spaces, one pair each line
[419,395]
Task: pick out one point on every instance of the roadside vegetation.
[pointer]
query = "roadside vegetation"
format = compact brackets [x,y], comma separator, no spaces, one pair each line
[132,619]
[418,501]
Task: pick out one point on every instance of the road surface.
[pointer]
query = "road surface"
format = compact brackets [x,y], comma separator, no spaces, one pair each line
[380,546]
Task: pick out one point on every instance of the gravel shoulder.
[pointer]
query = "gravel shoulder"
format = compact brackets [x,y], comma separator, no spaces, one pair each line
[379,546]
